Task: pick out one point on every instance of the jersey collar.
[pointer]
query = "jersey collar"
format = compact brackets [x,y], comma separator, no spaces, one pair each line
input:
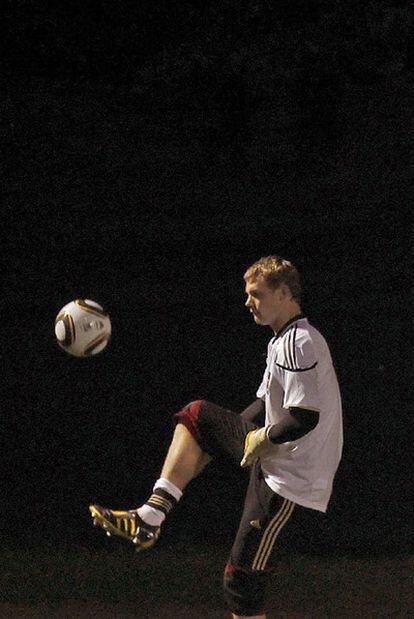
[288,324]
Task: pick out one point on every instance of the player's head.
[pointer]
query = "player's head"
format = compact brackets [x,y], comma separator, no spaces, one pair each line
[275,271]
[273,290]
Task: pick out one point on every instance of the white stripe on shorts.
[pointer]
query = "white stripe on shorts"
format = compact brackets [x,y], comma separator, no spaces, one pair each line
[271,533]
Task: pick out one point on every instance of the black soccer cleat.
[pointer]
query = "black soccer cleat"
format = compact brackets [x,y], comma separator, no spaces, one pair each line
[125,524]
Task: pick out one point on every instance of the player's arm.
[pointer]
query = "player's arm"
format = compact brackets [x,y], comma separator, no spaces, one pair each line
[296,423]
[255,412]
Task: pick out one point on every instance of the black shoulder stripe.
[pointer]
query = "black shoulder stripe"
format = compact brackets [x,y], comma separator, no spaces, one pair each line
[287,358]
[297,369]
[289,348]
[295,364]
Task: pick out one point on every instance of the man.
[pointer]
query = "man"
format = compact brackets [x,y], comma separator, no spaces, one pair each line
[290,437]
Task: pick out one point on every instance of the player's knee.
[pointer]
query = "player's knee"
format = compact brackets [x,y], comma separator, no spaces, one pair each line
[244,591]
[189,417]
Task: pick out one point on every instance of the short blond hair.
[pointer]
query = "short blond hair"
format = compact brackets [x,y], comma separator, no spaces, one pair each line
[275,271]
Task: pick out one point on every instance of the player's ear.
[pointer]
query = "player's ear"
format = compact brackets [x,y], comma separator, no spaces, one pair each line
[284,291]
[276,294]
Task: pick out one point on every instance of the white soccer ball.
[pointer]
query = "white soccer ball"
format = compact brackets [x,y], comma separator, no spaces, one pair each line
[82,328]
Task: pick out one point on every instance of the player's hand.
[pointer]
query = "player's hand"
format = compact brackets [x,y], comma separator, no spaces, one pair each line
[255,444]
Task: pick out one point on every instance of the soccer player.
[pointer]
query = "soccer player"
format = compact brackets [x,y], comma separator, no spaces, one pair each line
[290,438]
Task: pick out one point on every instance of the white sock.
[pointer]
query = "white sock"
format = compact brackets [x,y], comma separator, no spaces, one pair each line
[152,515]
[169,487]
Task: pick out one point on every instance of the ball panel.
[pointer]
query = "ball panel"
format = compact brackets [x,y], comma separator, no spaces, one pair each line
[93,309]
[71,326]
[65,329]
[96,345]
[60,330]
[99,347]
[93,304]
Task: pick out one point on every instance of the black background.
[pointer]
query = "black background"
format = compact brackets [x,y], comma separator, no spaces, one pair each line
[151,152]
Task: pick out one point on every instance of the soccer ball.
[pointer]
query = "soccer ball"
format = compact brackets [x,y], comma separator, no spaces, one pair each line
[82,328]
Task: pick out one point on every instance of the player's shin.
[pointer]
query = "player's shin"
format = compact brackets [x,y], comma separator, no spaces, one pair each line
[185,458]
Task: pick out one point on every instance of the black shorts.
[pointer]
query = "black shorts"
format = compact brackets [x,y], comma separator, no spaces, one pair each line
[221,433]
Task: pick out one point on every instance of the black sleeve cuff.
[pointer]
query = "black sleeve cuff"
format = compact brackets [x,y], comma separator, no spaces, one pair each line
[299,422]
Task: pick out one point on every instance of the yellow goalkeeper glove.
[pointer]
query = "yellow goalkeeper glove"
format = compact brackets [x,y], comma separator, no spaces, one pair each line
[255,444]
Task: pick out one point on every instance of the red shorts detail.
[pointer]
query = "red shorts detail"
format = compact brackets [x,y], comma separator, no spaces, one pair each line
[188,416]
[231,569]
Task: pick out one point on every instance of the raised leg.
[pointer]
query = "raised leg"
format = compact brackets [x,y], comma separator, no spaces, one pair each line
[185,459]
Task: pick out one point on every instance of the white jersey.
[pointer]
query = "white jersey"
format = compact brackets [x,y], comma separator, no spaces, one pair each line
[300,373]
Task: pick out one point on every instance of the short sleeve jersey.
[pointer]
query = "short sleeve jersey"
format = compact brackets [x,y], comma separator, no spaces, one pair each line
[299,373]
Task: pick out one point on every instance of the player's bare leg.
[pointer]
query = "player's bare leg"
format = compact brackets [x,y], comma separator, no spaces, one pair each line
[185,458]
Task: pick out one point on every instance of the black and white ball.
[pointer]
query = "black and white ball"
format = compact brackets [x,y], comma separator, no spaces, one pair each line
[82,328]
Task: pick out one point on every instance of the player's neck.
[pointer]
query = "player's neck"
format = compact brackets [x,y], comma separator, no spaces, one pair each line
[284,318]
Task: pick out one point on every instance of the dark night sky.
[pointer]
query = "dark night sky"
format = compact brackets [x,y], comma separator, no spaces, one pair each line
[152,152]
